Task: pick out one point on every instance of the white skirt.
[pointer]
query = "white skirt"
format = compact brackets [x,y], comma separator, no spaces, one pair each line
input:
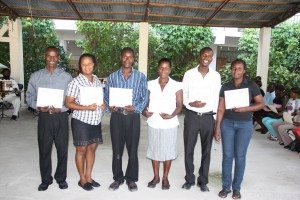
[162,144]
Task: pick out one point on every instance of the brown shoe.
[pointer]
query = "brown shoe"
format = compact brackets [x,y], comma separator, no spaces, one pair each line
[153,183]
[236,194]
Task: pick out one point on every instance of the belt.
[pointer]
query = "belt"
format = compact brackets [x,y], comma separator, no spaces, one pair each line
[202,113]
[124,112]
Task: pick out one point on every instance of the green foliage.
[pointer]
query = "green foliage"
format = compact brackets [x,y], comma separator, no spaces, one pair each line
[105,40]
[4,46]
[182,44]
[38,34]
[284,64]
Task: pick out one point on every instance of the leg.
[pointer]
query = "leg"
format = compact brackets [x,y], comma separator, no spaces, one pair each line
[132,142]
[61,141]
[167,166]
[80,158]
[90,158]
[15,101]
[155,166]
[206,134]
[282,130]
[227,133]
[190,136]
[241,141]
[118,142]
[45,142]
[268,124]
[275,126]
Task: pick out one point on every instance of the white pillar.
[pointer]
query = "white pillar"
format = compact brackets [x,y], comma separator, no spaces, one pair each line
[263,55]
[16,52]
[213,64]
[143,47]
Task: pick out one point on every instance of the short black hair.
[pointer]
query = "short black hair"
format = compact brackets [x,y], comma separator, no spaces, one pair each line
[127,49]
[5,69]
[295,90]
[280,87]
[84,56]
[167,60]
[52,47]
[205,48]
[239,61]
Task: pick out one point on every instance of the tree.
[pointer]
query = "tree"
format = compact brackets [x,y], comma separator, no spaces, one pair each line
[284,54]
[182,44]
[38,34]
[4,46]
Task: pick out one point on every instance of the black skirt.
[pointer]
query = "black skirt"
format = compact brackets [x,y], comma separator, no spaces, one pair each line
[85,134]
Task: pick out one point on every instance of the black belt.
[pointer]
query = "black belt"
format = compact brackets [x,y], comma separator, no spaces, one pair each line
[202,113]
[124,112]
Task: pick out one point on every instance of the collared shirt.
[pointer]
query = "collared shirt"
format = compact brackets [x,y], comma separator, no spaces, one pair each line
[199,88]
[136,81]
[168,95]
[253,91]
[59,79]
[86,116]
[269,97]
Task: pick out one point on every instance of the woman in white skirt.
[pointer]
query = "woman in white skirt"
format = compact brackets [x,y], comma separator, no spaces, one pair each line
[165,103]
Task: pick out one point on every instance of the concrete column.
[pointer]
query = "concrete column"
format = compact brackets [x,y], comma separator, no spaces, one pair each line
[143,47]
[16,52]
[264,55]
[213,64]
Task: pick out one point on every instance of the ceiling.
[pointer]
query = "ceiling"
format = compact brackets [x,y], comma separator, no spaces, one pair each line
[212,13]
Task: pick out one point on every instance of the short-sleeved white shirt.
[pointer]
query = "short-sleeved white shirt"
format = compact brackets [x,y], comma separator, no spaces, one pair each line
[169,95]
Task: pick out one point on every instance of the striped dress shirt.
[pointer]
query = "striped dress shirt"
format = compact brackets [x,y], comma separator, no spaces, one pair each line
[136,81]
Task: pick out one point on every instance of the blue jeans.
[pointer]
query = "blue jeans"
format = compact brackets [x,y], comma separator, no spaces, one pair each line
[236,137]
[267,121]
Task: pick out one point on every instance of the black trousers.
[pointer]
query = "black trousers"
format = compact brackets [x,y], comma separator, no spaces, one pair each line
[194,125]
[125,130]
[53,129]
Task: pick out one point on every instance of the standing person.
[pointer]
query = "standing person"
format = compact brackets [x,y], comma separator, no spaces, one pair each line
[86,120]
[201,86]
[12,97]
[53,122]
[125,121]
[163,126]
[236,129]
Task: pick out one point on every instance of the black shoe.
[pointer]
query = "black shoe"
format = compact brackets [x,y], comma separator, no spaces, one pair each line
[132,187]
[62,185]
[87,186]
[236,194]
[223,193]
[165,185]
[44,186]
[187,185]
[14,117]
[203,187]
[115,185]
[258,130]
[95,184]
[287,146]
[153,183]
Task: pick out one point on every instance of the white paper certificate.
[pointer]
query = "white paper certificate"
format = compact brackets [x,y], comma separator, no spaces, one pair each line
[120,97]
[287,117]
[90,95]
[50,97]
[236,98]
[161,106]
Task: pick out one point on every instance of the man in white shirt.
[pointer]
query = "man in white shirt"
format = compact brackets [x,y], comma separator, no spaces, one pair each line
[201,87]
[12,94]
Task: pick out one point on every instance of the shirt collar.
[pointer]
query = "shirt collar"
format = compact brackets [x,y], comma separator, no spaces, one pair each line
[245,82]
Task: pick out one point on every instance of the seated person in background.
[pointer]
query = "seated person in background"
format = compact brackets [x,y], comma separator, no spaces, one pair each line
[259,84]
[289,107]
[270,95]
[279,102]
[13,96]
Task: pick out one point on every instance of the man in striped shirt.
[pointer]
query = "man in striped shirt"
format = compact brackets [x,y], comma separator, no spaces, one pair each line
[125,121]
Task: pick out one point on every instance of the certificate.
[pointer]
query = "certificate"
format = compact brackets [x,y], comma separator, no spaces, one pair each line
[272,108]
[237,98]
[50,97]
[120,97]
[287,117]
[161,106]
[90,95]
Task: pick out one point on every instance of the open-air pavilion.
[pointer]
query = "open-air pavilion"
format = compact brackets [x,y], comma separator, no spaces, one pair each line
[272,173]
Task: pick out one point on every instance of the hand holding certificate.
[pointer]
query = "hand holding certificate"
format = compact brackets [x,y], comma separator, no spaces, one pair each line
[120,97]
[90,95]
[50,97]
[237,98]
